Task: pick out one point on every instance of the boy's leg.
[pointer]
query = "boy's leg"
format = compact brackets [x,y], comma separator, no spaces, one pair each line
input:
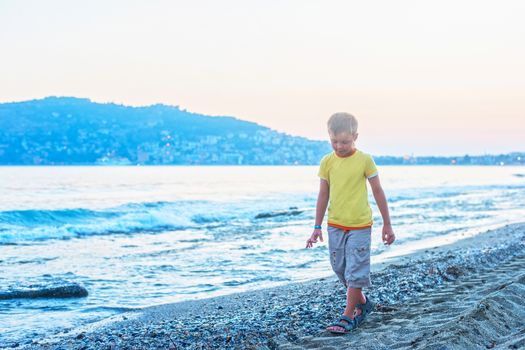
[354,296]
[356,252]
[357,268]
[336,247]
[357,273]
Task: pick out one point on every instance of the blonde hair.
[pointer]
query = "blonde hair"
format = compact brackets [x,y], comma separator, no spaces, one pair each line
[342,122]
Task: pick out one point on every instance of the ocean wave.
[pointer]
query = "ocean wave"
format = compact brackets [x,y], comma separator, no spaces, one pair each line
[42,217]
[18,226]
[24,225]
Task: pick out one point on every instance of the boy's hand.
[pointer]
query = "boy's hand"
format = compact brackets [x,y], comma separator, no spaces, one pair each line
[313,238]
[388,235]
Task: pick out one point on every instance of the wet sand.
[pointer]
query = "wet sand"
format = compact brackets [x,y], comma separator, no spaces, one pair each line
[468,295]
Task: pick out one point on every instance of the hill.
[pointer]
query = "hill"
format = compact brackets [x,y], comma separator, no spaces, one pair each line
[77,131]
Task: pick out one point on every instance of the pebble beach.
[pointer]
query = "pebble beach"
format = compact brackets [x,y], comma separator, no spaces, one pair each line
[469,294]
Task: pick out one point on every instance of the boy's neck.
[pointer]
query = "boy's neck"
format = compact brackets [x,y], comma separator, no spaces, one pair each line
[349,154]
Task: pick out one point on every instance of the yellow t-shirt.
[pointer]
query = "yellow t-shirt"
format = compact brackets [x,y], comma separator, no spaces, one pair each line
[349,207]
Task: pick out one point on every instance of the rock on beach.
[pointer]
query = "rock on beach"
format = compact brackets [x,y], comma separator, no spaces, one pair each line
[63,290]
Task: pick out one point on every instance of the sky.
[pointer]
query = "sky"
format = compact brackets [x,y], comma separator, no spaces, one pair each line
[422,77]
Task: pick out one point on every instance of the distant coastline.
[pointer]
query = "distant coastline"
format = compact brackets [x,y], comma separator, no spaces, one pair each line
[76,131]
[511,159]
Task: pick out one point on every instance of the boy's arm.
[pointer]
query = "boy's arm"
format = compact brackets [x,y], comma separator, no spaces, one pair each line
[322,203]
[379,195]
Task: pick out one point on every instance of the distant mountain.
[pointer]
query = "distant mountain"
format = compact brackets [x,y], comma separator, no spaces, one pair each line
[76,131]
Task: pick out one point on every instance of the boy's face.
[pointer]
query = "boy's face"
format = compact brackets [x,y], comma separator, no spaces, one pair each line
[343,143]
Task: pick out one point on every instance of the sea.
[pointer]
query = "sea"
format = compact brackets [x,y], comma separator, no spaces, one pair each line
[136,236]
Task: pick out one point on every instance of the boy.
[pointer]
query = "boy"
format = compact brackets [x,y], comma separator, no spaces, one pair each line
[343,174]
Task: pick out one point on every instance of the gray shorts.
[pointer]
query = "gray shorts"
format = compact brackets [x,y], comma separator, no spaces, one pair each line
[350,255]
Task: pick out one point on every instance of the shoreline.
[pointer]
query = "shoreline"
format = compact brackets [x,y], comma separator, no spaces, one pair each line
[480,270]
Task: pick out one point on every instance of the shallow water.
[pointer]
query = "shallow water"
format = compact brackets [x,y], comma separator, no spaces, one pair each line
[139,236]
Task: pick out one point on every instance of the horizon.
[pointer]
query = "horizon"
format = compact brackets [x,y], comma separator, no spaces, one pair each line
[411,155]
[443,79]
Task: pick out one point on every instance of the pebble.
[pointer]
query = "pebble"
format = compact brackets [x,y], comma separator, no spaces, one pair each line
[267,321]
